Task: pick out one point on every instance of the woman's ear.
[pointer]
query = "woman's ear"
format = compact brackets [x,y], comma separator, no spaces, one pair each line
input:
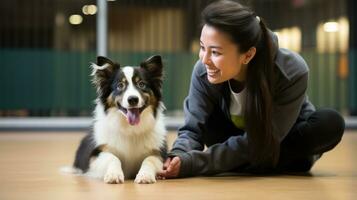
[249,55]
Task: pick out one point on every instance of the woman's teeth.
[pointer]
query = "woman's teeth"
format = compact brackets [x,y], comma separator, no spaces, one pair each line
[213,71]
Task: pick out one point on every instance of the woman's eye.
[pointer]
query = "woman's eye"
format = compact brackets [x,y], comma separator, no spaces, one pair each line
[141,85]
[216,53]
[121,86]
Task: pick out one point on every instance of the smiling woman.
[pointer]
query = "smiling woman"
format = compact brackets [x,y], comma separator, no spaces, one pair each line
[245,88]
[218,54]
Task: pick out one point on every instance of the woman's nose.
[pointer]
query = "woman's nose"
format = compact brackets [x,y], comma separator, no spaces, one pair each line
[206,58]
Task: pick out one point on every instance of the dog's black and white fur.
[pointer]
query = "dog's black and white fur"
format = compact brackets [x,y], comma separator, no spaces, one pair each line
[128,138]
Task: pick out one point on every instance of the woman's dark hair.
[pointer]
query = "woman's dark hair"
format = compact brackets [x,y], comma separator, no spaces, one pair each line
[247,30]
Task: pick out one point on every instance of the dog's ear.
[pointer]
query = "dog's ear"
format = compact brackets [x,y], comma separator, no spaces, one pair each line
[155,67]
[104,66]
[103,70]
[101,60]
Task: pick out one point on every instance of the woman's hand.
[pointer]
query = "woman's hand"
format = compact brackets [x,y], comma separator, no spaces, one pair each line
[171,168]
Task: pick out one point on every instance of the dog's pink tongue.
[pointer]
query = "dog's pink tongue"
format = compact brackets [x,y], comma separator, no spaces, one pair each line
[133,116]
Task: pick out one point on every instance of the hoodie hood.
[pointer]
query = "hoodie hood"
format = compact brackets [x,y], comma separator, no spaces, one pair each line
[275,43]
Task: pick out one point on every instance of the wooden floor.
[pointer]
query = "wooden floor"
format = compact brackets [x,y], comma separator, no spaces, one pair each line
[30,162]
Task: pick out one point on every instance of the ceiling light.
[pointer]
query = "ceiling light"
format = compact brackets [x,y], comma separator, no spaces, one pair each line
[331,27]
[89,9]
[75,19]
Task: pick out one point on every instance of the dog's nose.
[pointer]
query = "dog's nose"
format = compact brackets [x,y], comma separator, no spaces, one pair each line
[133,100]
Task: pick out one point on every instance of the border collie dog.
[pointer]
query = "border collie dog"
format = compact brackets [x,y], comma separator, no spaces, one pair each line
[129,135]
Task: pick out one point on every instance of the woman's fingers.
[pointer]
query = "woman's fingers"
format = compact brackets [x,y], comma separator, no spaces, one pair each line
[174,173]
[167,163]
[173,164]
[171,168]
[175,161]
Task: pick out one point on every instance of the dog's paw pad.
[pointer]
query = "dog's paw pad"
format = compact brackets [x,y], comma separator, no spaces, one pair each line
[113,178]
[145,178]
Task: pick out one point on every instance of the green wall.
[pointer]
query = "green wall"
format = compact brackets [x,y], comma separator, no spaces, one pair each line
[55,80]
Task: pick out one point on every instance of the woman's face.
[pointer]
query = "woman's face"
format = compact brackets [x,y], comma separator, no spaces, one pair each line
[221,56]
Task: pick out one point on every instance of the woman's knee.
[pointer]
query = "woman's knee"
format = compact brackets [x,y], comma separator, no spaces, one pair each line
[330,123]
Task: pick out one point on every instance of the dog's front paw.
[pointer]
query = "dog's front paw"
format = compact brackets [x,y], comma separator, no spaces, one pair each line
[114,177]
[145,178]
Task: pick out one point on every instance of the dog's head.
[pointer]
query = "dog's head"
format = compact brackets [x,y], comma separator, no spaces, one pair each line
[129,89]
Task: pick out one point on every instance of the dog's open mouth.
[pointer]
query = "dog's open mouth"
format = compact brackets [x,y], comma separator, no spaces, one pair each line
[132,114]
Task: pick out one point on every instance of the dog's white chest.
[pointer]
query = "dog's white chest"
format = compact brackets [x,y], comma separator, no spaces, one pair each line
[131,144]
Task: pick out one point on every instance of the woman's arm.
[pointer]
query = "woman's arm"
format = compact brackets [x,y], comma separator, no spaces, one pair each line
[198,106]
[189,159]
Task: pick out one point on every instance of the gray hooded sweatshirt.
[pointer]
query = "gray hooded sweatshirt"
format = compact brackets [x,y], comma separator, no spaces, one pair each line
[207,113]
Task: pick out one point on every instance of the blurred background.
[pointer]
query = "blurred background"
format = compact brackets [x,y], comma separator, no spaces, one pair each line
[46,47]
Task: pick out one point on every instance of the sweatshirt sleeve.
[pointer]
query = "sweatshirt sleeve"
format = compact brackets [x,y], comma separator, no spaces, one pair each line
[197,108]
[218,158]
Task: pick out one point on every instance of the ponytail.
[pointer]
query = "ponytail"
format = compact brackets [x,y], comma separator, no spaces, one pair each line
[264,146]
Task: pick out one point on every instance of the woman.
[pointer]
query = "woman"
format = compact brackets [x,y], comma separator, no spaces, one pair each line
[247,103]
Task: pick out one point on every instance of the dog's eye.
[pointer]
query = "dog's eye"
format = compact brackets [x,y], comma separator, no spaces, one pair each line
[141,85]
[121,86]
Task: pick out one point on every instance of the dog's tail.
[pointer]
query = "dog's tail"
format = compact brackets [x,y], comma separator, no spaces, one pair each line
[86,150]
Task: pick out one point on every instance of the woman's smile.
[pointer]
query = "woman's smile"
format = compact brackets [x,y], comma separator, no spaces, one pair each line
[212,72]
